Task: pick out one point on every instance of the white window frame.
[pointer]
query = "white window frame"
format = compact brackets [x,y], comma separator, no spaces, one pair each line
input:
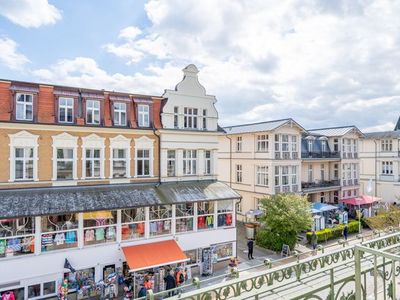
[190,163]
[262,143]
[387,168]
[310,174]
[208,162]
[65,141]
[69,105]
[120,142]
[310,146]
[190,116]
[322,169]
[142,159]
[23,139]
[91,108]
[176,117]
[144,143]
[262,175]
[144,115]
[120,113]
[386,145]
[323,146]
[93,160]
[204,124]
[93,141]
[171,159]
[239,143]
[239,173]
[24,105]
[25,159]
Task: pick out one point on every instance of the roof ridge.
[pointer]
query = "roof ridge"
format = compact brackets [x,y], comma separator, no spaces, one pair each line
[335,127]
[256,123]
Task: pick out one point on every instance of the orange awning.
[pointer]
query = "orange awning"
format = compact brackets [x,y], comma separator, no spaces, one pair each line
[151,255]
[104,214]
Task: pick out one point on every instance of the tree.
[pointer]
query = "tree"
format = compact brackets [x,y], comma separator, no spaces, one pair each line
[285,215]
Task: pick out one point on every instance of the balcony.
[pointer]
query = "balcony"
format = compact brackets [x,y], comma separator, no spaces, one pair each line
[320,155]
[319,185]
[286,155]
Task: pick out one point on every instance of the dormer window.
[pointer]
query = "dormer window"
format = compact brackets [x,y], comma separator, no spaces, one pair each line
[310,146]
[143,115]
[24,105]
[190,117]
[93,112]
[65,110]
[204,119]
[119,113]
[323,146]
[176,117]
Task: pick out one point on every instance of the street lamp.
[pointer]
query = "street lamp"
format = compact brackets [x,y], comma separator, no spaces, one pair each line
[359,214]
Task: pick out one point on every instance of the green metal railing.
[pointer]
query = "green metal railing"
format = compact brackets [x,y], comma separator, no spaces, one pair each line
[294,277]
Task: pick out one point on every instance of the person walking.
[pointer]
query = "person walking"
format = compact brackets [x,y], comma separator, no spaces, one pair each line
[250,246]
[314,240]
[345,232]
[170,282]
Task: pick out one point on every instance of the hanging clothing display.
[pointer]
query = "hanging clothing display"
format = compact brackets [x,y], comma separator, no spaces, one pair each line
[70,237]
[99,234]
[89,235]
[47,239]
[206,261]
[210,221]
[201,222]
[59,239]
[110,234]
[228,219]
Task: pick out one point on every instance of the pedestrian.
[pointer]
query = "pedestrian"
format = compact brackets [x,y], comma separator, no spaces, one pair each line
[250,246]
[314,240]
[345,232]
[170,282]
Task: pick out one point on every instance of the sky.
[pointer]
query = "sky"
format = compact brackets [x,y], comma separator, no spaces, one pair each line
[321,62]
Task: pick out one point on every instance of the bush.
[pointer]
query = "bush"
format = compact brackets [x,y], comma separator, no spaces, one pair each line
[333,233]
[267,239]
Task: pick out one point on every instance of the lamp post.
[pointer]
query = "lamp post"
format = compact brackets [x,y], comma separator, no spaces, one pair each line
[359,214]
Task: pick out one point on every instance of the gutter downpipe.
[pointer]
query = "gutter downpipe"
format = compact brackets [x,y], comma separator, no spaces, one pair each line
[159,154]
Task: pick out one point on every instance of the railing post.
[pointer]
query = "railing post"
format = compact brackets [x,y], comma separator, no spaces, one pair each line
[196,282]
[375,278]
[357,274]
[394,279]
[332,285]
[150,294]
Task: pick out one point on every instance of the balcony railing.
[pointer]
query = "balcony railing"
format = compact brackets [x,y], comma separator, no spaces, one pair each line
[286,155]
[306,155]
[320,184]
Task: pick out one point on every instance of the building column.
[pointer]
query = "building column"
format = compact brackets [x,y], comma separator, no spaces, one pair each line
[81,235]
[195,217]
[173,221]
[119,234]
[147,222]
[179,163]
[38,235]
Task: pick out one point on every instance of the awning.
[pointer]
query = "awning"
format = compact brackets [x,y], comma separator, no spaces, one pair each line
[322,207]
[362,200]
[254,212]
[151,255]
[96,215]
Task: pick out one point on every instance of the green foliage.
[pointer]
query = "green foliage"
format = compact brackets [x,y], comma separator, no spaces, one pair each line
[285,216]
[333,233]
[384,219]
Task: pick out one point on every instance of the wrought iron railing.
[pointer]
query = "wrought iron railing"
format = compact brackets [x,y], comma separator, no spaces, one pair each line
[320,184]
[313,155]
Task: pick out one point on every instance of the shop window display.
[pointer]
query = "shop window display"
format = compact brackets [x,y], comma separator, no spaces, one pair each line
[99,227]
[81,280]
[205,212]
[17,236]
[49,288]
[17,294]
[59,232]
[34,291]
[160,220]
[224,251]
[192,255]
[184,214]
[225,210]
[133,223]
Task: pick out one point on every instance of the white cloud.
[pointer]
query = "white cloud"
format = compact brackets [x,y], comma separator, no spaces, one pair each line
[30,13]
[9,56]
[321,62]
[85,72]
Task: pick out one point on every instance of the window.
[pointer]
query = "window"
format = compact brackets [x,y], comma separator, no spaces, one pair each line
[323,146]
[133,223]
[207,167]
[59,232]
[190,118]
[294,143]
[277,143]
[144,115]
[322,198]
[184,217]
[204,119]
[65,163]
[223,251]
[310,173]
[285,143]
[224,213]
[34,291]
[92,163]
[386,145]
[17,237]
[143,162]
[176,117]
[24,107]
[205,213]
[160,220]
[239,174]
[119,163]
[335,196]
[171,163]
[310,145]
[189,162]
[322,172]
[336,171]
[294,175]
[65,110]
[192,256]
[23,163]
[262,175]
[119,114]
[336,145]
[99,227]
[285,175]
[262,143]
[387,167]
[239,144]
[49,288]
[277,176]
[93,112]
